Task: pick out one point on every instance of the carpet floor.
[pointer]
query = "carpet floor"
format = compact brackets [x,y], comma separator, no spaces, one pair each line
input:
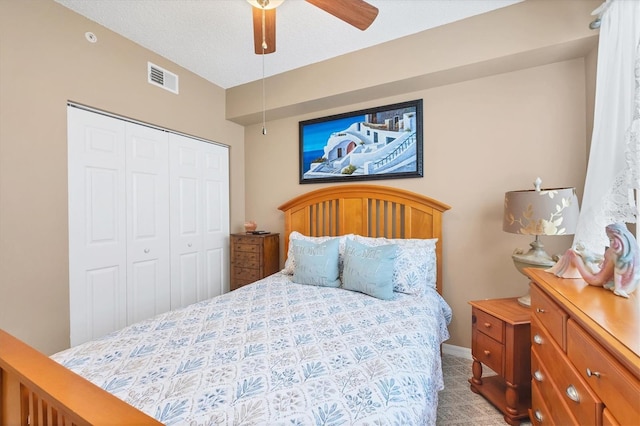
[457,405]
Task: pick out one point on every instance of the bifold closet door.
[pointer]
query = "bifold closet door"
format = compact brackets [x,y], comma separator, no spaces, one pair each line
[119,254]
[199,188]
[97,231]
[148,236]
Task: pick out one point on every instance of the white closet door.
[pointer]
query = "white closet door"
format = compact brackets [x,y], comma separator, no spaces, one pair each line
[199,182]
[97,230]
[148,252]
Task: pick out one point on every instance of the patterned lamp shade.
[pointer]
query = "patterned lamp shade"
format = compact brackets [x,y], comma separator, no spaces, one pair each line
[541,211]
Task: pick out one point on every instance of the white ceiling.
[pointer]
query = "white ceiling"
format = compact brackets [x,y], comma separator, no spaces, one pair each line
[214,38]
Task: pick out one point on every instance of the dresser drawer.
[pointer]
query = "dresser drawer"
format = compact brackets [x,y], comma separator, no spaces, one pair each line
[488,351]
[618,389]
[545,397]
[250,248]
[573,390]
[488,324]
[549,314]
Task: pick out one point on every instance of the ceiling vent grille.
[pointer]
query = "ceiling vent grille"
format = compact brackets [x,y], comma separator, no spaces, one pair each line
[163,78]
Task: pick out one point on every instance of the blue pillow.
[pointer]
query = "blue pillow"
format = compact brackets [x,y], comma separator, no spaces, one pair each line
[369,270]
[316,263]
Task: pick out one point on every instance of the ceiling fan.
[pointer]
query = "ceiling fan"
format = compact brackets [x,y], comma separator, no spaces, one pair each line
[358,13]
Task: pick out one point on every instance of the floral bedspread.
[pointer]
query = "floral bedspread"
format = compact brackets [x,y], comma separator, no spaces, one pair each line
[276,353]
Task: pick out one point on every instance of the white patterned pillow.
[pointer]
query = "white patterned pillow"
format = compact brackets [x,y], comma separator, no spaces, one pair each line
[415,266]
[290,263]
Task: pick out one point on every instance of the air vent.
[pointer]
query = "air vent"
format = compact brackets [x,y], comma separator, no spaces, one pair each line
[163,78]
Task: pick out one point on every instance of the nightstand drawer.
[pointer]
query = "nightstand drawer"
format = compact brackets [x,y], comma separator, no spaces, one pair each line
[246,259]
[617,388]
[246,274]
[488,324]
[249,248]
[488,351]
[549,314]
[246,239]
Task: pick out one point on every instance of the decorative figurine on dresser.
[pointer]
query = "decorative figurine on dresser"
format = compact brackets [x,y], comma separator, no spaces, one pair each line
[618,270]
[254,255]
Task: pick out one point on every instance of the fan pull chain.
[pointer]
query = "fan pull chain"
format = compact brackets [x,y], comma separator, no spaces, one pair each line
[264,47]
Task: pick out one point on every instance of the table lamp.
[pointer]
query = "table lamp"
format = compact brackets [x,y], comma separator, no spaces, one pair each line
[539,212]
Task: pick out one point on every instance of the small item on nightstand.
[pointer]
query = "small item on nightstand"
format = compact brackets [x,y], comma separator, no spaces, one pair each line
[259,232]
[250,226]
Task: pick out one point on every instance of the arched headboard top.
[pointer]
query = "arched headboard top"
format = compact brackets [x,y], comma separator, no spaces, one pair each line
[368,210]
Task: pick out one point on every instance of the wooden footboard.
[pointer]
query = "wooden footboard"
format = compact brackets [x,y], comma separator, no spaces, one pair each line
[35,390]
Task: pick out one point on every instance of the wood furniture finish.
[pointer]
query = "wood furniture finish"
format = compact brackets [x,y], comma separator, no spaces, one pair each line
[31,381]
[253,257]
[368,210]
[35,390]
[500,341]
[585,353]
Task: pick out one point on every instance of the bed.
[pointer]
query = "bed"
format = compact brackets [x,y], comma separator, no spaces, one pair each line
[274,351]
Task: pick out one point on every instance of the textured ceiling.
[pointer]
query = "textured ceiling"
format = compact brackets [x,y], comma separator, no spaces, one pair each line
[214,38]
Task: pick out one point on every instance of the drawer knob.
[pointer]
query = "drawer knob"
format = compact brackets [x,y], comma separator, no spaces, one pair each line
[572,393]
[537,339]
[593,373]
[487,353]
[538,415]
[487,325]
[538,375]
[540,310]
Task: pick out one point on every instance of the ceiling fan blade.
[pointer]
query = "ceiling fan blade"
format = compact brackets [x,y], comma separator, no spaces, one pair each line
[269,27]
[358,13]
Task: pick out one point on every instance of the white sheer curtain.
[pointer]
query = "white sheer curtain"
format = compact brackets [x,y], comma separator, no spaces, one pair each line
[612,174]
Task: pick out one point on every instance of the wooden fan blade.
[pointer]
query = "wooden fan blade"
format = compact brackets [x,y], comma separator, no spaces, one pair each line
[358,13]
[269,27]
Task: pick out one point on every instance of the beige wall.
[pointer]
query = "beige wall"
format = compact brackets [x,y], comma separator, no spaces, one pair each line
[45,61]
[506,99]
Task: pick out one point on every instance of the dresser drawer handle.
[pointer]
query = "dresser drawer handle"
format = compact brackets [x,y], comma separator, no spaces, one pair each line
[538,375]
[593,373]
[487,324]
[487,353]
[538,415]
[572,393]
[537,339]
[540,310]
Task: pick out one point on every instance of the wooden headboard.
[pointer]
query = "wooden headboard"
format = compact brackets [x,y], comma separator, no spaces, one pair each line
[368,210]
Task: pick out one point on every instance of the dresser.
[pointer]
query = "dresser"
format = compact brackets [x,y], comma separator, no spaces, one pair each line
[253,257]
[500,340]
[585,353]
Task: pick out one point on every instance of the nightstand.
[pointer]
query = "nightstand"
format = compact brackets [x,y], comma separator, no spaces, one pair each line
[501,330]
[253,257]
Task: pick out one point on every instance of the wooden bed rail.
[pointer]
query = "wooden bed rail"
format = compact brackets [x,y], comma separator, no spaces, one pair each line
[35,390]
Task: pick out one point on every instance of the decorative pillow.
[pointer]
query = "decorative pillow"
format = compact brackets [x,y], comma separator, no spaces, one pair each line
[415,267]
[316,263]
[290,263]
[368,269]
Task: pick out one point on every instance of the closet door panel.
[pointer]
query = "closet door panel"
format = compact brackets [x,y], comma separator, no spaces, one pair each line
[185,168]
[199,220]
[216,208]
[148,237]
[97,225]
